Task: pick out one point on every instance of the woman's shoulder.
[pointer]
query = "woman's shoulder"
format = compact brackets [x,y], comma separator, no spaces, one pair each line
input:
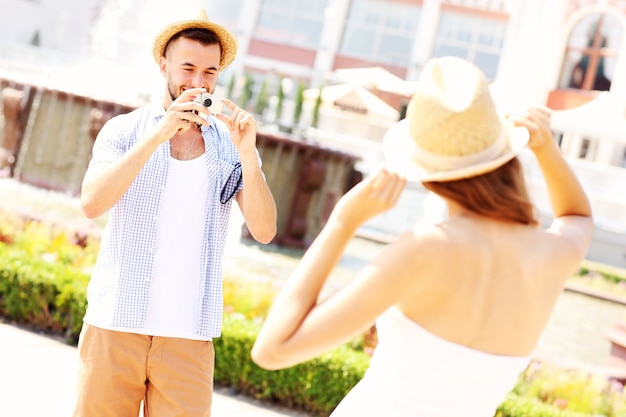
[449,233]
[474,240]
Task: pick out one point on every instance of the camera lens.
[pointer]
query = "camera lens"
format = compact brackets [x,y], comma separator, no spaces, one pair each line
[207,102]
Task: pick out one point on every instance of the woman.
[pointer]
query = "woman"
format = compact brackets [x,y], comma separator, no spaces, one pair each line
[459,305]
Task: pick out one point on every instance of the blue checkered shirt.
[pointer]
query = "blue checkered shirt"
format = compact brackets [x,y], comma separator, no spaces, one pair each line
[120,282]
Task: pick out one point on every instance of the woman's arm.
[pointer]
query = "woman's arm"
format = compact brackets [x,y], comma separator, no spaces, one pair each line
[570,205]
[299,326]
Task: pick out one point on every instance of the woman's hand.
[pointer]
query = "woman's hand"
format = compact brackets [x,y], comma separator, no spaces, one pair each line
[377,193]
[537,120]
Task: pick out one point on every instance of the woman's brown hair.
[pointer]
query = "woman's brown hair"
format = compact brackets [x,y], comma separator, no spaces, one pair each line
[499,194]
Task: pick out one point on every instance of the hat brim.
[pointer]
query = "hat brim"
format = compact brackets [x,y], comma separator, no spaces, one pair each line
[228,42]
[398,148]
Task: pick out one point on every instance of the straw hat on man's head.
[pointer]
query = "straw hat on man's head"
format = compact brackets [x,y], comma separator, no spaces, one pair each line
[452,129]
[228,42]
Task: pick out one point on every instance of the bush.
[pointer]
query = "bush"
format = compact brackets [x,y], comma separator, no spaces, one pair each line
[50,242]
[515,406]
[302,387]
[49,296]
[607,272]
[252,299]
[572,389]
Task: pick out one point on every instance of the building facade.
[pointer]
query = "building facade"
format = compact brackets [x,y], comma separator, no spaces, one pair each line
[569,55]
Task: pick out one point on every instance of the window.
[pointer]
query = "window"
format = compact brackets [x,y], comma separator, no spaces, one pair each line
[558,137]
[36,39]
[585,149]
[294,22]
[380,30]
[476,38]
[226,16]
[591,53]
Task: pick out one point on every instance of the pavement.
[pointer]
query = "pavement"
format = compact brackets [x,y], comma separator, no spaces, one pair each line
[38,371]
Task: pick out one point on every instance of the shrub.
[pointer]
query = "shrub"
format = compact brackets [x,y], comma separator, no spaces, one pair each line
[316,107]
[262,99]
[54,243]
[516,406]
[47,295]
[249,297]
[574,390]
[299,102]
[303,387]
[607,272]
[280,100]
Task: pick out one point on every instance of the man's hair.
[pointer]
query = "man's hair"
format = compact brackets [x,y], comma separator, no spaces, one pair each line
[204,36]
[499,194]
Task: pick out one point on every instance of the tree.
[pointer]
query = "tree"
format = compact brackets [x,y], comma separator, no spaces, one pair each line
[231,85]
[316,107]
[262,99]
[299,100]
[246,94]
[281,98]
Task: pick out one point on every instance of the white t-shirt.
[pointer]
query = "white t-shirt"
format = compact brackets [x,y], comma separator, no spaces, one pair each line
[175,288]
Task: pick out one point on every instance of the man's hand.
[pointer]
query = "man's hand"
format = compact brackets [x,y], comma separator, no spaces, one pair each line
[182,114]
[241,125]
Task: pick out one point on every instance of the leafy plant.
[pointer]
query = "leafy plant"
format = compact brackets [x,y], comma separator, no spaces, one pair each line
[280,97]
[572,389]
[49,242]
[607,272]
[262,99]
[47,295]
[299,101]
[249,298]
[316,107]
[304,387]
[248,89]
[516,406]
[231,85]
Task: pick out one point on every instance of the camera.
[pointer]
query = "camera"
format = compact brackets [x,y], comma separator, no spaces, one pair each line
[214,104]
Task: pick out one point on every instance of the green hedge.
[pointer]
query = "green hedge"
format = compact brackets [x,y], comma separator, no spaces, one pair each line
[608,272]
[296,387]
[516,406]
[304,387]
[47,295]
[52,297]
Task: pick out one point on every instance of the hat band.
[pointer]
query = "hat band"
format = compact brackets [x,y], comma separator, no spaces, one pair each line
[432,162]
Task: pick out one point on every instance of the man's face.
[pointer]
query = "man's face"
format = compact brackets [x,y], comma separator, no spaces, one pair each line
[190,64]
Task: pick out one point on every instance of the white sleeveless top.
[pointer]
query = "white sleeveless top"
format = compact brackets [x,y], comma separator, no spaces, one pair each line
[416,373]
[174,304]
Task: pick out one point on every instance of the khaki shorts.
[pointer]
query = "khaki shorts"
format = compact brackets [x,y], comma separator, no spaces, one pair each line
[117,371]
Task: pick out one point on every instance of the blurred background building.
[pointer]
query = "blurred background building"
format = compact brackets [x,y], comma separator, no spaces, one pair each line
[338,73]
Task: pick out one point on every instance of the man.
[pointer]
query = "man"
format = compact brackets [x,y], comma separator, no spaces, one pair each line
[167,173]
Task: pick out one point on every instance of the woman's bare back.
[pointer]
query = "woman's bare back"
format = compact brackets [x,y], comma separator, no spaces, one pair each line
[492,285]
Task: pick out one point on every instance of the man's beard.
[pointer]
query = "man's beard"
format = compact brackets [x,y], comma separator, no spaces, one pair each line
[171,89]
